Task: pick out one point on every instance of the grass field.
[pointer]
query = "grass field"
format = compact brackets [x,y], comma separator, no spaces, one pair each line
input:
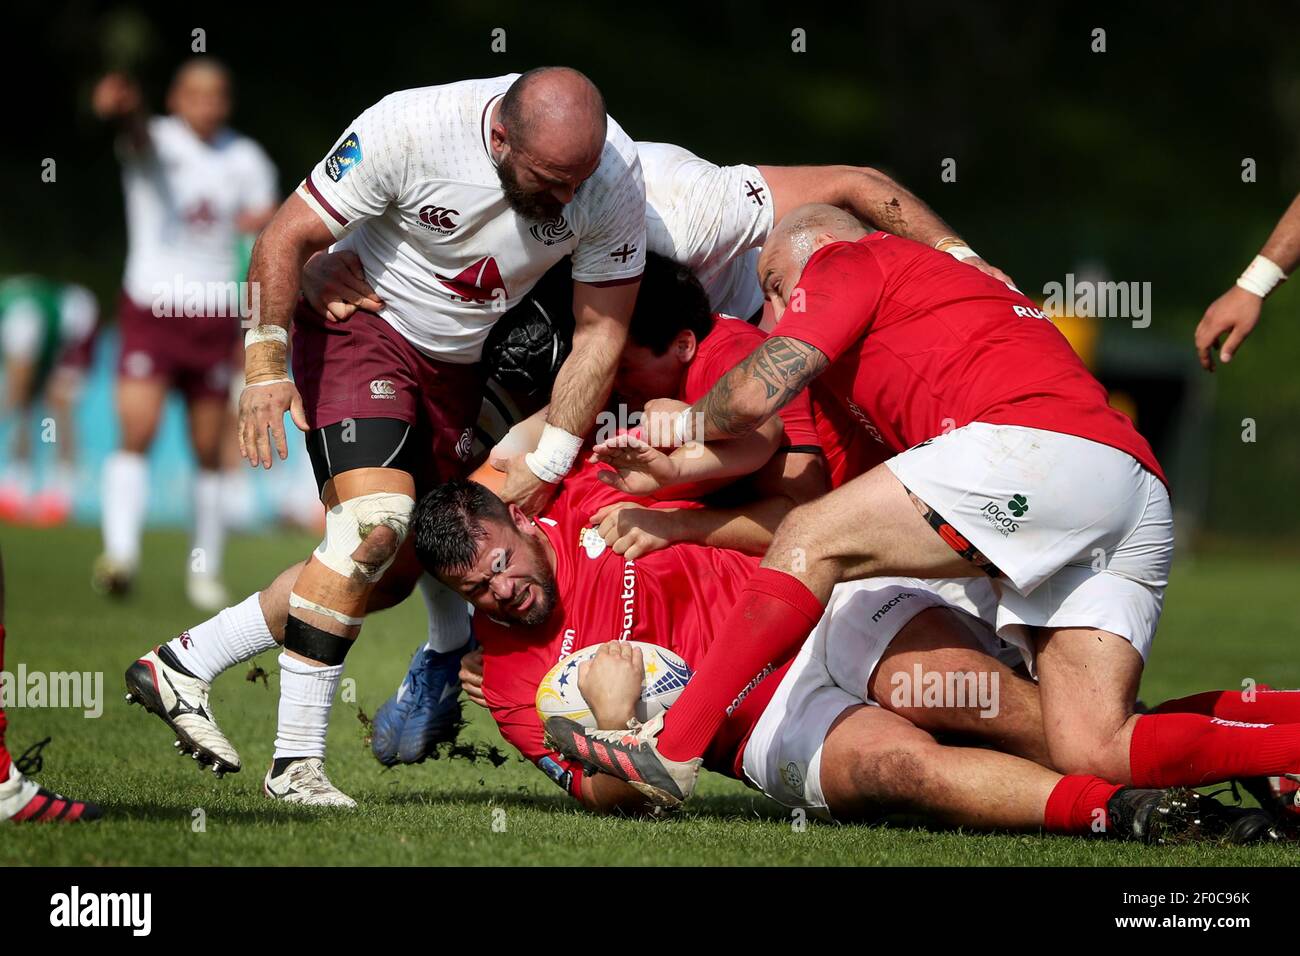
[1226,619]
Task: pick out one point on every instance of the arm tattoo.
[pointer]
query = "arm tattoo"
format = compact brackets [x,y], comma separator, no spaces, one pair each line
[782,366]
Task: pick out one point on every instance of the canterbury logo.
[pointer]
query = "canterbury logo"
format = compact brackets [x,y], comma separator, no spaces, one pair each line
[438,218]
[382,388]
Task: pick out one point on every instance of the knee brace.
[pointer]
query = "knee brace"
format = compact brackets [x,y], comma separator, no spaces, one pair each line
[349,523]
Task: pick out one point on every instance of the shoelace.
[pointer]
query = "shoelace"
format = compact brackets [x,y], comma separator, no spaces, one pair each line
[31,762]
[310,777]
[617,735]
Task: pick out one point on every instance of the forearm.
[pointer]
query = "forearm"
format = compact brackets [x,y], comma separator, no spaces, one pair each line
[584,381]
[748,529]
[867,193]
[754,390]
[275,272]
[133,132]
[874,197]
[723,460]
[1283,246]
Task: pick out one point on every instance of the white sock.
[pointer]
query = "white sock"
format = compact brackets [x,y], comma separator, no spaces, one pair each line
[209,525]
[234,635]
[449,615]
[306,695]
[238,499]
[63,479]
[125,491]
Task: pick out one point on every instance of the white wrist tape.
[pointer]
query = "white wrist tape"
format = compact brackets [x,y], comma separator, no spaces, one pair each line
[555,454]
[1261,277]
[962,252]
[266,333]
[272,381]
[682,422]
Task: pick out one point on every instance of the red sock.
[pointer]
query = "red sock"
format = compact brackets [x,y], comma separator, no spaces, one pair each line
[1190,750]
[1077,805]
[1263,705]
[4,722]
[774,614]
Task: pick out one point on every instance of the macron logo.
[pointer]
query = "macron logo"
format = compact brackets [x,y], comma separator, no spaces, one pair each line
[75,909]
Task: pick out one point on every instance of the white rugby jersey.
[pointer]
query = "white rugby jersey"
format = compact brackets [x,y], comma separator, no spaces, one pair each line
[713,219]
[183,196]
[412,189]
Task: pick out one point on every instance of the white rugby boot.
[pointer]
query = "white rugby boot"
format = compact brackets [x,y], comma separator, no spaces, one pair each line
[182,702]
[303,781]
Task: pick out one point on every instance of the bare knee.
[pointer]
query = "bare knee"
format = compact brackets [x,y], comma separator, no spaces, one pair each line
[889,780]
[1098,752]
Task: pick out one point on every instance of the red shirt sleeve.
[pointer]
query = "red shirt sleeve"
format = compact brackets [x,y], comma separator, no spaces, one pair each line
[836,299]
[729,344]
[522,729]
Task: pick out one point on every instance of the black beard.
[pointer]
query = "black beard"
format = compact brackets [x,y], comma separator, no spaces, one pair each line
[541,610]
[536,207]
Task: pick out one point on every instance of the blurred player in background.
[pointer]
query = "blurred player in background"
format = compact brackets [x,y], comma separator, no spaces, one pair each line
[1236,312]
[193,187]
[22,800]
[47,330]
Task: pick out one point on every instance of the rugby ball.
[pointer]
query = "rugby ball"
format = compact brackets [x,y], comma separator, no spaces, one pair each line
[665,676]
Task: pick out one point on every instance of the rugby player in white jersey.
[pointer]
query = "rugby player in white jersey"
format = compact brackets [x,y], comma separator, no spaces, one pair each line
[192,186]
[456,199]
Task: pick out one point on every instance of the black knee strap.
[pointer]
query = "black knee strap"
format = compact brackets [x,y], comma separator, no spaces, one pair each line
[314,644]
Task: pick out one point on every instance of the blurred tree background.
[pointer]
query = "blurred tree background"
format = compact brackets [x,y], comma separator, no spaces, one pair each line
[1129,158]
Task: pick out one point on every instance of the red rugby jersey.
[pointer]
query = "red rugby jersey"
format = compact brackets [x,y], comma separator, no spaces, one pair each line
[677,597]
[920,343]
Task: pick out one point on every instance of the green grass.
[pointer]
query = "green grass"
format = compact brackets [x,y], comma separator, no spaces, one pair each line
[1226,619]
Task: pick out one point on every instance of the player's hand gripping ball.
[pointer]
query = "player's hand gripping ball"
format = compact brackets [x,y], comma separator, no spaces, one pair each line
[665,676]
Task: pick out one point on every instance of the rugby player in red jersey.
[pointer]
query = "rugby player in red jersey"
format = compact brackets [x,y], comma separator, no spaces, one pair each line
[545,588]
[1007,461]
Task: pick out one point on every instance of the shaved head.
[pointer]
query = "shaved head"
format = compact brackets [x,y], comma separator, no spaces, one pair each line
[555,110]
[800,233]
[548,135]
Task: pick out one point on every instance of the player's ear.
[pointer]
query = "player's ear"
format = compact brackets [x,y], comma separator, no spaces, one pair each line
[684,346]
[499,140]
[523,523]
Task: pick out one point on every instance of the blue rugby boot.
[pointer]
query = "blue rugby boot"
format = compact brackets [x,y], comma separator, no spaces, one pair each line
[424,712]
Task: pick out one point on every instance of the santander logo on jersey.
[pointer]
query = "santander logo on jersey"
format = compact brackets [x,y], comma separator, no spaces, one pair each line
[479,282]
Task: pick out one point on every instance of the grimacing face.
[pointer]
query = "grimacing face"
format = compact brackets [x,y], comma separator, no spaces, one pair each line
[511,578]
[778,274]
